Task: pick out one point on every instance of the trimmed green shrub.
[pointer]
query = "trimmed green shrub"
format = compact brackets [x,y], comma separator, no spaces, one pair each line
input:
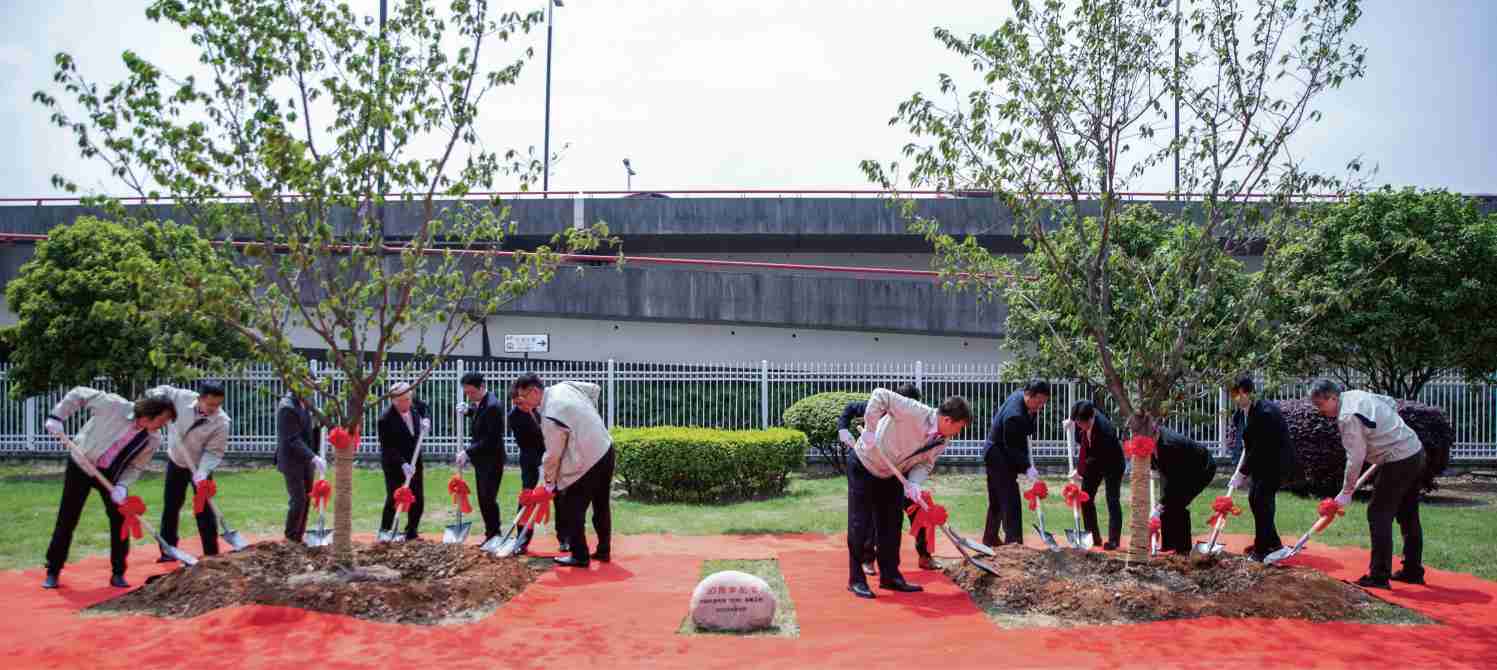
[817,415]
[672,464]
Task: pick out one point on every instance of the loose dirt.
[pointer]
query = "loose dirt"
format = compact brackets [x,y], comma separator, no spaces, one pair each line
[1037,588]
[409,582]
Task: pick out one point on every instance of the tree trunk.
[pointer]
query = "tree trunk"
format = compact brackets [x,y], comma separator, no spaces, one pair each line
[1140,424]
[343,507]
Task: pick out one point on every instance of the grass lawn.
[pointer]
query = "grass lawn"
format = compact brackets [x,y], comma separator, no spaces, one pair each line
[1458,535]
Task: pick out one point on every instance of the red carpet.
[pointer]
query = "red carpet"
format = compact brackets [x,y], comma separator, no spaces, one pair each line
[625,614]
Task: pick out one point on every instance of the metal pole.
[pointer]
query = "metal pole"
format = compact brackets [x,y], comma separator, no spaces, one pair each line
[381,185]
[1177,99]
[546,144]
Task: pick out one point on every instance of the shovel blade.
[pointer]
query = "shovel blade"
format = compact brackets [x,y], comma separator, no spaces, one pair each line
[181,556]
[1074,538]
[386,536]
[318,538]
[1282,555]
[1047,537]
[962,544]
[508,548]
[1209,548]
[456,533]
[235,541]
[976,547]
[492,544]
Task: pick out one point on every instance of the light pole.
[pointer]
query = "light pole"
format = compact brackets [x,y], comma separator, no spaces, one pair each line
[546,144]
[628,176]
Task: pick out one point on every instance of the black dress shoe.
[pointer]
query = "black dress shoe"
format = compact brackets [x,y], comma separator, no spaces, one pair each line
[1370,582]
[901,586]
[569,562]
[1109,545]
[118,581]
[1408,577]
[600,557]
[861,590]
[51,581]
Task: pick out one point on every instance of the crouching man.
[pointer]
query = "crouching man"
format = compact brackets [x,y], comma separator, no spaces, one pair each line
[578,462]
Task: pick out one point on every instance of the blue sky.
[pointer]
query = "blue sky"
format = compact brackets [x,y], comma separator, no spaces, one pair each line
[782,94]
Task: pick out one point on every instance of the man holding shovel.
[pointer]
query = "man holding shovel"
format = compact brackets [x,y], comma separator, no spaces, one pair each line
[201,432]
[902,438]
[1270,457]
[1186,469]
[400,426]
[579,460]
[1006,457]
[1099,458]
[1372,432]
[296,460]
[526,427]
[850,413]
[485,449]
[117,441]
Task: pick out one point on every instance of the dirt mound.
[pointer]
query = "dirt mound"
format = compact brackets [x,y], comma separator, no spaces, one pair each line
[409,582]
[1071,588]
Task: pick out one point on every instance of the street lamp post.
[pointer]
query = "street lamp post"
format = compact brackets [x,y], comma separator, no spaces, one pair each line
[629,176]
[546,144]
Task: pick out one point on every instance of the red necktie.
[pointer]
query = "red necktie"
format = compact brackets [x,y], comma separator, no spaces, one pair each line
[1082,438]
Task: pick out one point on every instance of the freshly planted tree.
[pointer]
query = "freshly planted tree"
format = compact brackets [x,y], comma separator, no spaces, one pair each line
[317,114]
[1071,111]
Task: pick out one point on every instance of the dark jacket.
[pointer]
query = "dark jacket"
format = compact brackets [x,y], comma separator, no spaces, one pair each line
[1104,455]
[397,444]
[486,447]
[852,412]
[527,433]
[1182,463]
[1008,437]
[1270,453]
[294,436]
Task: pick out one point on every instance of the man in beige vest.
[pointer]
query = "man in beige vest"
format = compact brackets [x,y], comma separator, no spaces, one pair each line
[578,462]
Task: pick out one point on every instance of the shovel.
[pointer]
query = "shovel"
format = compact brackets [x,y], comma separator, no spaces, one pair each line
[1210,547]
[1153,514]
[496,543]
[181,556]
[1320,524]
[513,541]
[322,536]
[1039,509]
[394,535]
[1078,538]
[457,531]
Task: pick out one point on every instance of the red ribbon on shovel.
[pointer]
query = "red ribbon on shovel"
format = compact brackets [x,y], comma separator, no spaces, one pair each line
[206,489]
[1155,524]
[321,491]
[1223,506]
[1074,495]
[1037,493]
[132,509]
[927,518]
[537,505]
[458,488]
[404,498]
[1330,510]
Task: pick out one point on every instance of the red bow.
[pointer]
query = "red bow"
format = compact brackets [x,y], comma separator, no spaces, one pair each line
[459,490]
[132,509]
[342,440]
[537,506]
[321,491]
[404,498]
[927,518]
[206,489]
[1154,524]
[1074,495]
[1037,493]
[1223,506]
[1139,446]
[1328,508]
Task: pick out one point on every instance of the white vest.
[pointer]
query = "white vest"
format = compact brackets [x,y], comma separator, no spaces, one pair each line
[576,435]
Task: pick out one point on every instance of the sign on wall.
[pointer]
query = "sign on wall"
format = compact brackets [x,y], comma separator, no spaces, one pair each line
[527,344]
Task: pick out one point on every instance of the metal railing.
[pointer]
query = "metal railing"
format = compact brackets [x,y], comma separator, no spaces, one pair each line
[736,395]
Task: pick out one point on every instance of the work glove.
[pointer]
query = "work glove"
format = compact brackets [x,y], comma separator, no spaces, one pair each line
[118,494]
[319,463]
[1343,499]
[409,470]
[845,436]
[425,426]
[462,408]
[199,477]
[1032,474]
[1159,510]
[550,488]
[1238,481]
[1075,475]
[912,492]
[54,427]
[461,459]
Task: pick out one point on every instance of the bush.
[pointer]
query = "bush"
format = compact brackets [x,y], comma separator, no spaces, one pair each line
[1322,459]
[672,464]
[816,416]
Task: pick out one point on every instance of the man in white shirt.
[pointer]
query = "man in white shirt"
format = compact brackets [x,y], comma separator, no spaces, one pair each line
[1372,432]
[200,438]
[579,460]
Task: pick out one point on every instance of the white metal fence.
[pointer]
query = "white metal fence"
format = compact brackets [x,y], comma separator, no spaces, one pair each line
[736,396]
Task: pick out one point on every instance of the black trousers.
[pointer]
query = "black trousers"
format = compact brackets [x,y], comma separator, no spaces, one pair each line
[487,476]
[299,478]
[1395,497]
[178,479]
[1004,511]
[1174,521]
[571,508]
[530,476]
[870,549]
[76,485]
[1090,482]
[1261,499]
[874,506]
[394,478]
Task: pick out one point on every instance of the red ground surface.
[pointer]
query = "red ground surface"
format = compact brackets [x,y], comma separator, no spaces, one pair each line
[625,614]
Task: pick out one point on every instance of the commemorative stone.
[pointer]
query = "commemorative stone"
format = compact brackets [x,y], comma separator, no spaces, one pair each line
[732,601]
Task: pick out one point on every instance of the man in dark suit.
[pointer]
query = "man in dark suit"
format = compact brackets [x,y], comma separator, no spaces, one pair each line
[485,449]
[400,425]
[296,460]
[1099,459]
[526,427]
[1270,458]
[1007,456]
[852,412]
[1185,469]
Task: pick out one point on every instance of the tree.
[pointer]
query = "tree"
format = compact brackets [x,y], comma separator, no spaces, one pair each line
[82,314]
[1068,114]
[1421,313]
[295,108]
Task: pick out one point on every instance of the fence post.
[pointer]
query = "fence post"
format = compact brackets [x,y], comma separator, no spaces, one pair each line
[764,393]
[612,393]
[1222,449]
[31,424]
[920,375]
[462,369]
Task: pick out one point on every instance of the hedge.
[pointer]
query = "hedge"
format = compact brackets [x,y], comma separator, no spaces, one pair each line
[817,415]
[673,464]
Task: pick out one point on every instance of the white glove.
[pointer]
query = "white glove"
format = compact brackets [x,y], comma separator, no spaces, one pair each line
[1238,481]
[426,425]
[54,427]
[1032,474]
[912,492]
[198,478]
[118,494]
[1159,510]
[550,488]
[320,464]
[1074,475]
[1343,499]
[845,436]
[409,470]
[462,408]
[461,459]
